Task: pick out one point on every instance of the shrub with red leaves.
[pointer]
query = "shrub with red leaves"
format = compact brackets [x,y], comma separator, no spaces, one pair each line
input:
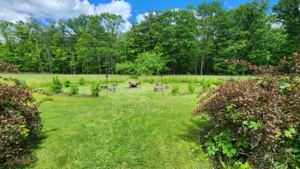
[256,120]
[20,121]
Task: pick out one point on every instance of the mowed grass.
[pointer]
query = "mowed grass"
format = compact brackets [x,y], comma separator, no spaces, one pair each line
[132,128]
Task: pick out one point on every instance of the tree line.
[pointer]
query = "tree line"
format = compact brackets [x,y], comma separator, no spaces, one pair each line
[195,40]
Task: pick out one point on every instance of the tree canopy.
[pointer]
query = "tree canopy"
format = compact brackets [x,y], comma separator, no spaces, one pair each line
[195,40]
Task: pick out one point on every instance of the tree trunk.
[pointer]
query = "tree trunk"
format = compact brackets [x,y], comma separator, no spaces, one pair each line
[71,60]
[82,71]
[299,44]
[203,55]
[196,66]
[112,71]
[202,63]
[46,37]
[99,59]
[39,56]
[49,59]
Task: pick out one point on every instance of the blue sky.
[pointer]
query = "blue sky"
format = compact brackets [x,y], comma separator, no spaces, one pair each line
[142,6]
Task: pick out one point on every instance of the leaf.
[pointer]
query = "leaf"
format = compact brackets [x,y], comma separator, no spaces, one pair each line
[254,125]
[285,85]
[225,150]
[210,152]
[278,134]
[292,130]
[233,150]
[229,154]
[245,122]
[288,134]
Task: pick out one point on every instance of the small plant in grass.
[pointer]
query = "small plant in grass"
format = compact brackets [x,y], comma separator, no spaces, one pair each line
[258,119]
[73,90]
[81,81]
[205,84]
[95,89]
[236,165]
[20,83]
[151,80]
[175,90]
[56,85]
[191,87]
[67,83]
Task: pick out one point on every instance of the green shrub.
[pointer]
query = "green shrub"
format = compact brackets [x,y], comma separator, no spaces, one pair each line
[191,87]
[20,121]
[205,84]
[175,89]
[81,81]
[67,83]
[95,89]
[56,85]
[256,119]
[20,83]
[151,80]
[73,90]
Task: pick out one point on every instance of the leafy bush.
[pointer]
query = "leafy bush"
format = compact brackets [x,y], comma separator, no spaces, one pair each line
[95,89]
[73,90]
[205,84]
[191,87]
[256,119]
[175,90]
[151,80]
[20,121]
[81,81]
[67,83]
[56,85]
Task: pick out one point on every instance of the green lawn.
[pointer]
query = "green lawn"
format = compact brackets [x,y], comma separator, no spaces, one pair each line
[132,128]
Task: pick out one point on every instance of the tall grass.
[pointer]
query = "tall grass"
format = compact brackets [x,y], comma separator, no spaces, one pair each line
[44,80]
[215,80]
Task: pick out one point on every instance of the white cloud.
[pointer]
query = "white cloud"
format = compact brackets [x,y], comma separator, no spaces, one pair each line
[2,39]
[141,17]
[122,8]
[52,9]
[276,25]
[125,26]
[15,10]
[12,16]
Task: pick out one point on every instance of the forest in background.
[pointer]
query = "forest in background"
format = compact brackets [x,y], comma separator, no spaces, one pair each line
[195,40]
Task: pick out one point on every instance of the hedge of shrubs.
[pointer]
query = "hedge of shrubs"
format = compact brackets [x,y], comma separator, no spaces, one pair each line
[255,121]
[20,121]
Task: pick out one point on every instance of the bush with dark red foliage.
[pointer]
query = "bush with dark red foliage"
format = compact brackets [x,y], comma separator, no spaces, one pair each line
[20,121]
[256,120]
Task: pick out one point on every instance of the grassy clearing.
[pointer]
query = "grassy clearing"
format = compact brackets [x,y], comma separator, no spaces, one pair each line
[132,128]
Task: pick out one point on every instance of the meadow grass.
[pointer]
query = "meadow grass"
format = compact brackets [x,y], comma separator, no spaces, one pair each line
[132,128]
[44,80]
